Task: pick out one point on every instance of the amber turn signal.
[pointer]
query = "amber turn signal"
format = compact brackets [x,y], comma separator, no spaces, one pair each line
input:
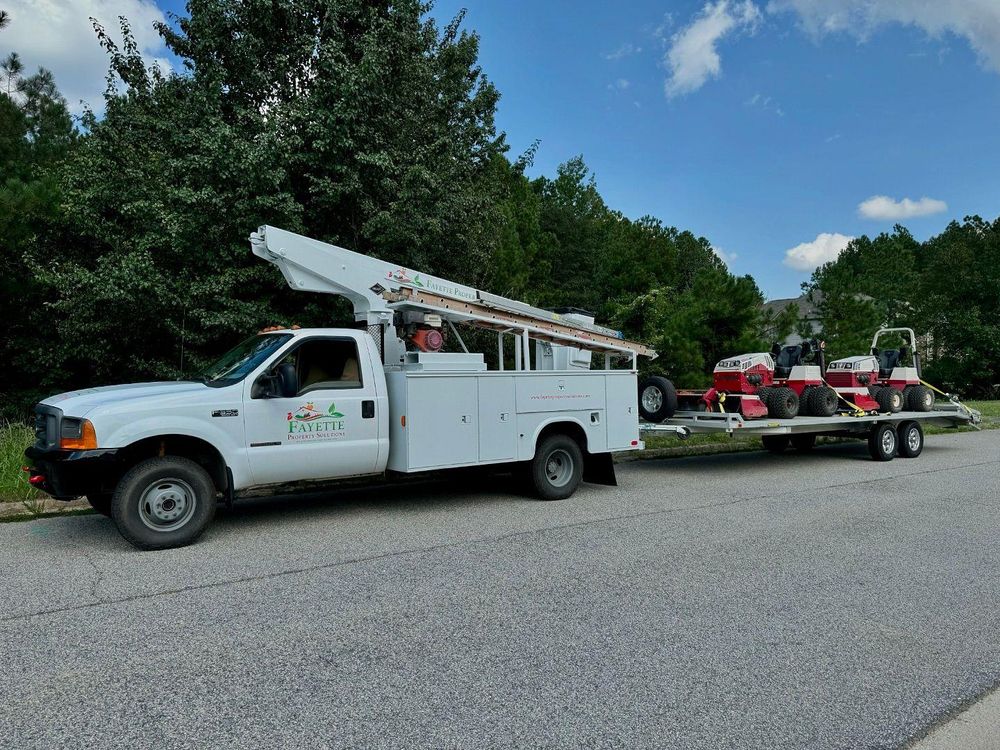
[87,439]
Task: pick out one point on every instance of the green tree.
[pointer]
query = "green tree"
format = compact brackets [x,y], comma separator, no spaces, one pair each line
[368,126]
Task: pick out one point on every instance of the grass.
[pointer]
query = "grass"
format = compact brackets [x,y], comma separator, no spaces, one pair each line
[15,437]
[14,487]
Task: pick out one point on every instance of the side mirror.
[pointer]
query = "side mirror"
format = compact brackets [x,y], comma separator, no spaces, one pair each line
[288,380]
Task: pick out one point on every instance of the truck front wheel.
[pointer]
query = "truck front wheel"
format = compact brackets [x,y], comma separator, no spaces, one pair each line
[557,468]
[163,502]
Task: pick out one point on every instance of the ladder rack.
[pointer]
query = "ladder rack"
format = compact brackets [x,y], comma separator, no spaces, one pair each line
[482,314]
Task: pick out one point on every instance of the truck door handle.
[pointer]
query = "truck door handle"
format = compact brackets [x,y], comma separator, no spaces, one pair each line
[367,409]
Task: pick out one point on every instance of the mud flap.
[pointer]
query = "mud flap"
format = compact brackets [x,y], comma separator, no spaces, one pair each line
[599,468]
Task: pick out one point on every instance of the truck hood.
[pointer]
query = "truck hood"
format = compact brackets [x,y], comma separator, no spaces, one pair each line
[80,403]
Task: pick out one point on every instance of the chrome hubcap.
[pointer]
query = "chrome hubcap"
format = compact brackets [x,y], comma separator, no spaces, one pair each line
[888,442]
[559,467]
[913,439]
[167,504]
[652,399]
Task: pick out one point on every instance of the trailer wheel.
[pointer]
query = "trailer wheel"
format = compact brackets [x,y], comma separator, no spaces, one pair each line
[803,443]
[101,503]
[911,439]
[919,398]
[890,400]
[557,468]
[163,502]
[783,403]
[823,401]
[774,443]
[883,442]
[657,398]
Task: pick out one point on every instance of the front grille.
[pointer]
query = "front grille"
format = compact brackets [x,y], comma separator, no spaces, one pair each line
[46,427]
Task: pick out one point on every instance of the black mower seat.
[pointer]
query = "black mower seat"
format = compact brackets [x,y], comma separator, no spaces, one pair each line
[888,360]
[786,359]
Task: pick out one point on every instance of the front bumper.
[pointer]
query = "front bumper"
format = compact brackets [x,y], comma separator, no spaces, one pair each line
[68,474]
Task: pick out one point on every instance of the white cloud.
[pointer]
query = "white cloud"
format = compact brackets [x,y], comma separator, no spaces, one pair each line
[978,21]
[765,103]
[626,50]
[59,36]
[692,57]
[724,256]
[885,208]
[809,255]
[620,85]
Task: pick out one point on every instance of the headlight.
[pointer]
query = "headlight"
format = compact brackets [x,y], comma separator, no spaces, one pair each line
[77,434]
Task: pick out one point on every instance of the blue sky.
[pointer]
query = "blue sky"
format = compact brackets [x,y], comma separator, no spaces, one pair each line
[764,125]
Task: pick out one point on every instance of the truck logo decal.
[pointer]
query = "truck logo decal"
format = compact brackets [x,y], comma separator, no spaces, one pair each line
[226,413]
[311,423]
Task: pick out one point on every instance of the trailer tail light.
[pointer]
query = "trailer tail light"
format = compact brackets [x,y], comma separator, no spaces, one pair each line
[635,442]
[77,435]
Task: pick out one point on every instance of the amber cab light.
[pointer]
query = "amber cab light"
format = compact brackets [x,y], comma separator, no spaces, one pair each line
[87,439]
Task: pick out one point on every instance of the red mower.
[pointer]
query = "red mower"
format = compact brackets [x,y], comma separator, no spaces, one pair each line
[784,383]
[880,380]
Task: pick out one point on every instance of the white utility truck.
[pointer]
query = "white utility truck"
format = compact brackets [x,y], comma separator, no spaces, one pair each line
[317,404]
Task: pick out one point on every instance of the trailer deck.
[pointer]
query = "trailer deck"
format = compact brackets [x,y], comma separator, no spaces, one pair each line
[708,422]
[777,434]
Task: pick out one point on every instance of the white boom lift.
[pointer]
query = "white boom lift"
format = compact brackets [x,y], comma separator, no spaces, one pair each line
[378,289]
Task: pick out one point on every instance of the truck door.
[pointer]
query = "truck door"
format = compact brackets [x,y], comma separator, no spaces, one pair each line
[328,429]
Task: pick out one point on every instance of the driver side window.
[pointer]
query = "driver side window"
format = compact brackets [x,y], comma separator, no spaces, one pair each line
[322,364]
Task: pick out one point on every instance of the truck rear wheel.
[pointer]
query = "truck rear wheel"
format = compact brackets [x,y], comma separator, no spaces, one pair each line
[883,442]
[163,502]
[557,468]
[657,399]
[911,439]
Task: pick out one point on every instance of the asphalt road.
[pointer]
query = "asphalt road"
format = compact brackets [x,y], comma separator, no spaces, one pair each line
[727,601]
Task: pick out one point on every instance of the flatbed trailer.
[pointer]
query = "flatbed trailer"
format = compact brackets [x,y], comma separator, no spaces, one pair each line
[888,435]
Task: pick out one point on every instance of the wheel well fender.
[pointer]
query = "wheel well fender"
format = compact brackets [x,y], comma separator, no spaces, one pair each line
[200,451]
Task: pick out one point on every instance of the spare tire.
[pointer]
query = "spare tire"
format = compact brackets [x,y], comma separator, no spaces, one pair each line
[783,403]
[657,398]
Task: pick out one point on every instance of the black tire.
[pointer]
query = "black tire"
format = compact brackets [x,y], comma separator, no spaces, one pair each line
[163,502]
[911,439]
[764,393]
[919,398]
[557,468]
[890,400]
[805,405]
[804,443]
[101,503]
[774,443]
[883,442]
[657,398]
[783,403]
[823,401]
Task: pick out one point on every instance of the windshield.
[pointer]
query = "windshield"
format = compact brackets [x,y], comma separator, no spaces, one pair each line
[242,359]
